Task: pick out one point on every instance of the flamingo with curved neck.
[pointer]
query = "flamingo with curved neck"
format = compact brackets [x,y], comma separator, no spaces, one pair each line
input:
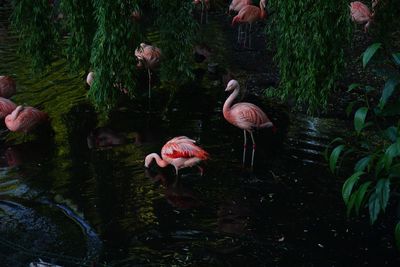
[245,116]
[24,119]
[181,152]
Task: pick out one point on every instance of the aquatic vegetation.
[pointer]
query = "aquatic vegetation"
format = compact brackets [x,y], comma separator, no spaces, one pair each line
[374,143]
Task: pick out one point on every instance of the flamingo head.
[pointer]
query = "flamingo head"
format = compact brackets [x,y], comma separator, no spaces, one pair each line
[263,4]
[232,85]
[90,78]
[147,161]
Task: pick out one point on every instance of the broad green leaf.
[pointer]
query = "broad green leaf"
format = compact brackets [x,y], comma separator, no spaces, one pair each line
[350,204]
[383,190]
[391,133]
[394,171]
[374,206]
[360,195]
[392,151]
[362,163]
[388,90]
[396,57]
[349,108]
[359,119]
[348,186]
[370,52]
[337,139]
[334,157]
[353,86]
[397,235]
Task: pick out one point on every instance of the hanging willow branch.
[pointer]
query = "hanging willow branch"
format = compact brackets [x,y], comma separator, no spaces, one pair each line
[35,24]
[177,36]
[112,55]
[79,22]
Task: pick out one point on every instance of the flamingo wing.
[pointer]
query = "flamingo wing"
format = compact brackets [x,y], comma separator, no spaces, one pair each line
[248,115]
[182,147]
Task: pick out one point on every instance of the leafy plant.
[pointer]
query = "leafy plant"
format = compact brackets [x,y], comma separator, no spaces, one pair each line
[375,141]
[310,37]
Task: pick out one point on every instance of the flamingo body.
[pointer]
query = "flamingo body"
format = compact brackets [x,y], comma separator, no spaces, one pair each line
[6,107]
[237,5]
[360,14]
[181,152]
[245,116]
[24,119]
[7,86]
[250,14]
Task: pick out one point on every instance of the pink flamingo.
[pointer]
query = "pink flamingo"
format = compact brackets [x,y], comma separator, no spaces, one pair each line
[205,5]
[149,56]
[237,5]
[7,86]
[6,107]
[244,115]
[250,14]
[181,152]
[361,14]
[24,119]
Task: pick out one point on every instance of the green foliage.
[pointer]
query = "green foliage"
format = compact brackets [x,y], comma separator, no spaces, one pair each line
[112,57]
[79,23]
[177,35]
[36,26]
[377,170]
[310,39]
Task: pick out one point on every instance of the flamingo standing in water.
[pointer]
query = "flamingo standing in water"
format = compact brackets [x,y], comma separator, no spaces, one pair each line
[181,152]
[7,86]
[24,119]
[250,14]
[6,107]
[244,115]
[236,6]
[149,56]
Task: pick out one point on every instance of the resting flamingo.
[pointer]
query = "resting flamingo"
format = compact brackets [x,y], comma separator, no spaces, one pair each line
[6,107]
[181,152]
[361,14]
[7,86]
[250,14]
[149,56]
[24,119]
[244,115]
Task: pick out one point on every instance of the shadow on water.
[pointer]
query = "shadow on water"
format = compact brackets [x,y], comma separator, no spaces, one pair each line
[80,194]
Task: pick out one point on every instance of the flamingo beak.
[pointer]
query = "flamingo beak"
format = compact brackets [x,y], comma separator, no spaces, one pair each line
[227,89]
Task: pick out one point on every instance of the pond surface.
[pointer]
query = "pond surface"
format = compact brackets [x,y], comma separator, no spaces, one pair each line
[66,199]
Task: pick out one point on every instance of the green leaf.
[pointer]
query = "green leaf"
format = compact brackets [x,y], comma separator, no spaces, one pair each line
[348,186]
[362,163]
[374,206]
[396,57]
[350,107]
[388,90]
[362,190]
[383,189]
[394,171]
[353,86]
[359,118]
[337,139]
[334,157]
[370,52]
[397,235]
[391,133]
[350,204]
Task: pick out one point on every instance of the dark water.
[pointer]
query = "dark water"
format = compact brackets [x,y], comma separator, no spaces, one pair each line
[66,200]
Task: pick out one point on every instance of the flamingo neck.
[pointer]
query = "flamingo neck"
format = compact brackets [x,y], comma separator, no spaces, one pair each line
[16,112]
[263,13]
[160,162]
[229,101]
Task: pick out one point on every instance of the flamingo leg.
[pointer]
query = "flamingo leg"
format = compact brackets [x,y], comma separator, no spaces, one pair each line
[244,147]
[250,36]
[149,73]
[254,149]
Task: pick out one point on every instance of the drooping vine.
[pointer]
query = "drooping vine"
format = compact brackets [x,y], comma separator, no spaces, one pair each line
[78,21]
[35,24]
[311,36]
[112,56]
[177,35]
